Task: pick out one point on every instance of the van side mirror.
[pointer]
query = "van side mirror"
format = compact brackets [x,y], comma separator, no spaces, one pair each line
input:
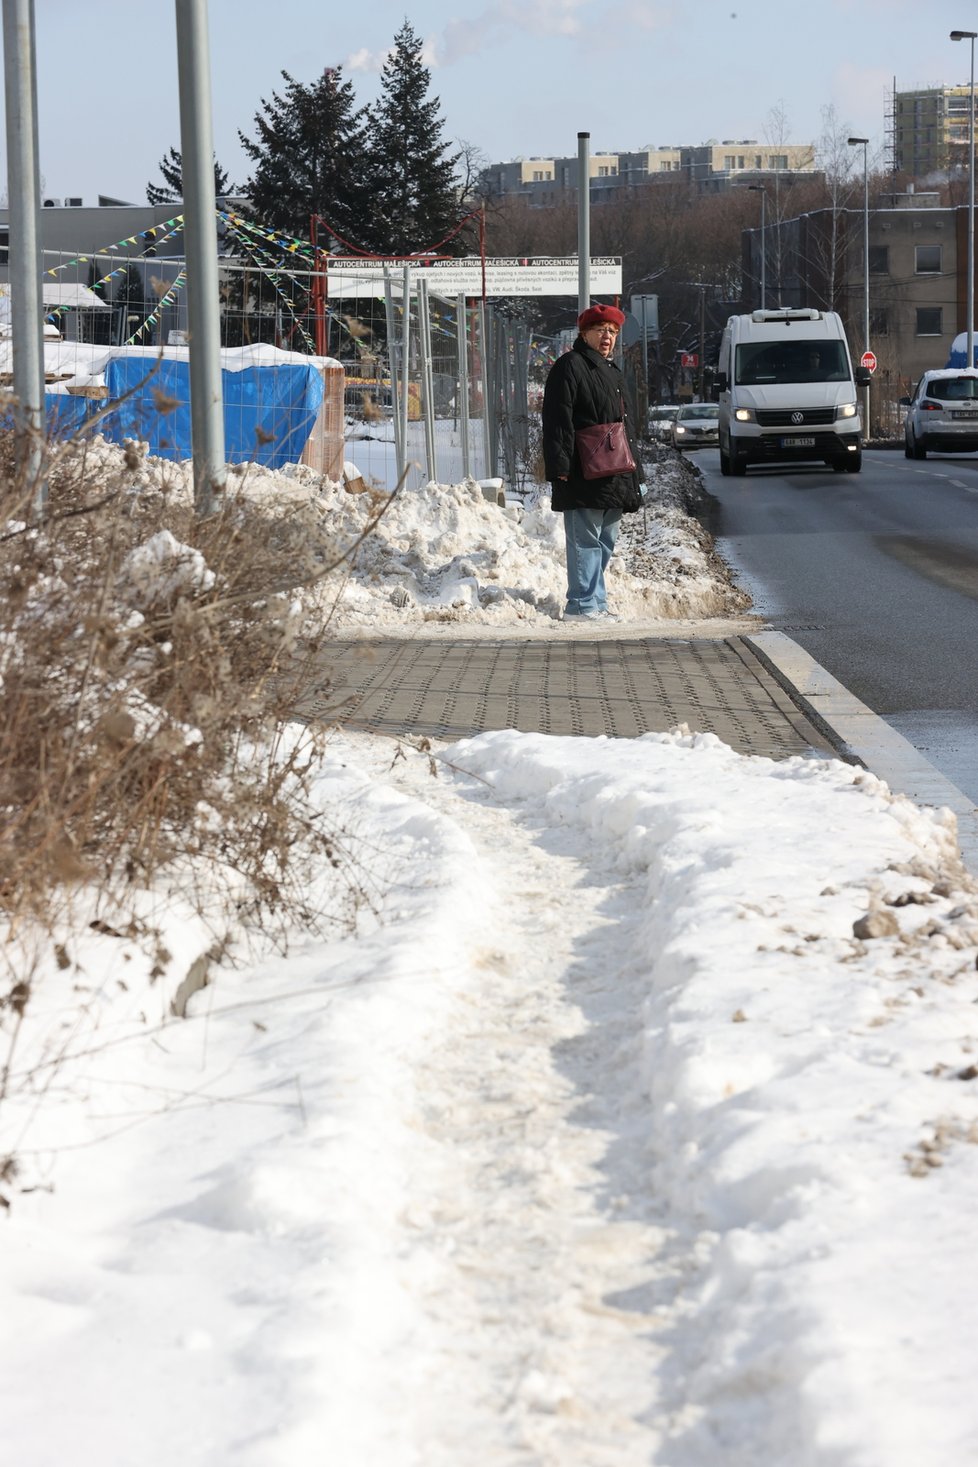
[721,382]
[863,376]
[903,401]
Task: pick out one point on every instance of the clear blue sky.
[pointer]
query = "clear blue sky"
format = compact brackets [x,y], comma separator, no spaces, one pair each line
[515,77]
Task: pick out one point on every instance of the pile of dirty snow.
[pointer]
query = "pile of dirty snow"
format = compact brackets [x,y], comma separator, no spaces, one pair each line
[444,553]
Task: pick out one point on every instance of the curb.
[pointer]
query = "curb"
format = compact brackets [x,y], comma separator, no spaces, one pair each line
[863,736]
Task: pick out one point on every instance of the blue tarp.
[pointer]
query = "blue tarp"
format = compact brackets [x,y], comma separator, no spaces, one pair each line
[268,411]
[66,414]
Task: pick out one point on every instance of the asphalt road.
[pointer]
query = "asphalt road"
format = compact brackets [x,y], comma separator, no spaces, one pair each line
[876,575]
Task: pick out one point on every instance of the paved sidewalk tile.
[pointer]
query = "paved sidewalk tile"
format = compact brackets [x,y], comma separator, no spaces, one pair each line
[620,688]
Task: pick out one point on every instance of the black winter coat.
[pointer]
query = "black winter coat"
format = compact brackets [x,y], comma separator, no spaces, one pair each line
[583,388]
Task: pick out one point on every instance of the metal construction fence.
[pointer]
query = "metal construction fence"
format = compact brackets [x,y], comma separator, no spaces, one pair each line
[432,388]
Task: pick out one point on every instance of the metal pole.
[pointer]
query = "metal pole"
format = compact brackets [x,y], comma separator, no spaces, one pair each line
[24,191]
[427,380]
[521,385]
[702,291]
[866,268]
[392,370]
[583,222]
[200,207]
[405,365]
[970,284]
[971,210]
[503,338]
[763,249]
[463,384]
[487,424]
[864,144]
[758,188]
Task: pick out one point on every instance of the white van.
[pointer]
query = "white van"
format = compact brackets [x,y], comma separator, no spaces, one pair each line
[787,391]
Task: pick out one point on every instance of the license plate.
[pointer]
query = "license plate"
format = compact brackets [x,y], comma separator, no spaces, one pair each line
[797,442]
[958,416]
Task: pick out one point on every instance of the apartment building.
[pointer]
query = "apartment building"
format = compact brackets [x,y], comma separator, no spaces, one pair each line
[917,277]
[714,165]
[930,129]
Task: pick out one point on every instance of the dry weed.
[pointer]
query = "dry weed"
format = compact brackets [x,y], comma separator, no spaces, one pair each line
[149,660]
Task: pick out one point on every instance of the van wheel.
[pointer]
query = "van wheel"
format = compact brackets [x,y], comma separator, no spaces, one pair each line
[853,463]
[724,464]
[916,451]
[738,466]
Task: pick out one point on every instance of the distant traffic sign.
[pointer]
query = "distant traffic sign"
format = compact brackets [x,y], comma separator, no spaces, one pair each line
[868,359]
[689,359]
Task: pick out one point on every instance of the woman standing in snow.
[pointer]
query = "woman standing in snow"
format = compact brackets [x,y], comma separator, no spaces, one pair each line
[584,388]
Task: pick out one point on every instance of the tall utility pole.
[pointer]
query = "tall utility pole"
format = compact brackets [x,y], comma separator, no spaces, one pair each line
[864,143]
[200,206]
[758,188]
[24,189]
[970,36]
[583,221]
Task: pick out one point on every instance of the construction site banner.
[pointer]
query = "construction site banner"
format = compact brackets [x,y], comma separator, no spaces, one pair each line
[535,275]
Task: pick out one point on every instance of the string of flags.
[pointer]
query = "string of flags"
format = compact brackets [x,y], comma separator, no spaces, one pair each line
[254,238]
[122,269]
[168,228]
[285,242]
[164,300]
[260,257]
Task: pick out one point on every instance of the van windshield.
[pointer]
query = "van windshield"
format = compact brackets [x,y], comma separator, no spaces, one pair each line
[760,362]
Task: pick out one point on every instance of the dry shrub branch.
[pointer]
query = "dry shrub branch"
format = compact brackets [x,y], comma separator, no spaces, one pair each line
[153,757]
[149,660]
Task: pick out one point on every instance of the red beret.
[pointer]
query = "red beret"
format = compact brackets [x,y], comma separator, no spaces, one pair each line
[600,316]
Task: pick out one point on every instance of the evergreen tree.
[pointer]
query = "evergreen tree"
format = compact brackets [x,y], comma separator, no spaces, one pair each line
[171,167]
[309,158]
[412,176]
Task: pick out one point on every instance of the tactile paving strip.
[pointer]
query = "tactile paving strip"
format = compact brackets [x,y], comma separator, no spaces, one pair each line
[621,689]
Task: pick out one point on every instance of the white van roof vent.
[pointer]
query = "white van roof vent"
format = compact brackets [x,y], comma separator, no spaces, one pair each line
[786,316]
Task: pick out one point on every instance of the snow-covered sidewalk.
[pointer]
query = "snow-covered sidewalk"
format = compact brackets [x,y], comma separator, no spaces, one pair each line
[602,1140]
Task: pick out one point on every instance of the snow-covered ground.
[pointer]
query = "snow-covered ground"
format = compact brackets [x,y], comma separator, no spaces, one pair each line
[632,1120]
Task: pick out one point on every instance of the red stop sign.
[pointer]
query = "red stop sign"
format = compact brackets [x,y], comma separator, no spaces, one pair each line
[868,359]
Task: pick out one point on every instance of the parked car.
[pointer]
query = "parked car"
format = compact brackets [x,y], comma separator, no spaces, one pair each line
[696,424]
[661,418]
[942,415]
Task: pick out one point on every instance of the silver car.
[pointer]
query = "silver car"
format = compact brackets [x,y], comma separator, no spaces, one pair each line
[661,419]
[696,425]
[942,415]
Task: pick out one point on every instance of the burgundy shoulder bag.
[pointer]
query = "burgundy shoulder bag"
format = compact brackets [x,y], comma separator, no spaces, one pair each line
[603,450]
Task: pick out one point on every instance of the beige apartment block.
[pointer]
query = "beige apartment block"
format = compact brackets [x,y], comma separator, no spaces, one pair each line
[930,129]
[710,166]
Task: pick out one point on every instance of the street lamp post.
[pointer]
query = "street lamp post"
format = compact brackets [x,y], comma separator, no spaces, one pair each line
[758,188]
[970,293]
[864,144]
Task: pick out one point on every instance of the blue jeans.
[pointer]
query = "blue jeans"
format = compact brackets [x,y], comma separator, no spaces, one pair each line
[590,535]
